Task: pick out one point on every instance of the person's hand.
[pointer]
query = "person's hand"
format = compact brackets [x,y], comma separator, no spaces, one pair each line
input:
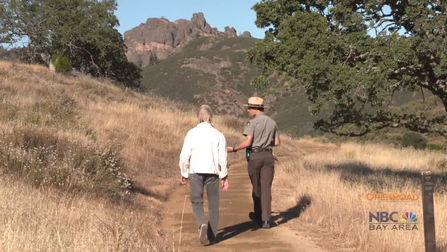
[231,149]
[224,183]
[183,180]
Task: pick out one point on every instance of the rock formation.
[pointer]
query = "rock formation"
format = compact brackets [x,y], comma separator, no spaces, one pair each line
[246,34]
[231,32]
[159,38]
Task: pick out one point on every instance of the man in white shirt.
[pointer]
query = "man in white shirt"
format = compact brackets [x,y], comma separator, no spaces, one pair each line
[203,160]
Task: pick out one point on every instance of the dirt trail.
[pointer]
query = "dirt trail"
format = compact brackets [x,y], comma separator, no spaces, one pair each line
[236,231]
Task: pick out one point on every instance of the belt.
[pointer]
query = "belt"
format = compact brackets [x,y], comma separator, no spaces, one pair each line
[260,150]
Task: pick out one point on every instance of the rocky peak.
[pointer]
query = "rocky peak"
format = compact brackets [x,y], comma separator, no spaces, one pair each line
[198,20]
[231,32]
[159,38]
[246,34]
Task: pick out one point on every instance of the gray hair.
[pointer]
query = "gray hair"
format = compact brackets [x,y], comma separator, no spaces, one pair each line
[205,114]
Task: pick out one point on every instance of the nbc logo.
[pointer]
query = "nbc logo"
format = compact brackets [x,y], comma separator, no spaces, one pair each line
[390,221]
[409,217]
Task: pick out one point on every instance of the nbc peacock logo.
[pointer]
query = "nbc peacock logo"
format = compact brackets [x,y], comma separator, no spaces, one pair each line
[409,217]
[385,220]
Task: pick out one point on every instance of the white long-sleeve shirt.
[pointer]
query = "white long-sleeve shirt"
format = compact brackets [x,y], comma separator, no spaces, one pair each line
[204,151]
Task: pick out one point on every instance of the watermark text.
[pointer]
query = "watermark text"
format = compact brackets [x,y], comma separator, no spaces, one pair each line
[393,196]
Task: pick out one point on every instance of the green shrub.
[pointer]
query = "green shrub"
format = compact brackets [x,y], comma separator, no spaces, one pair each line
[435,147]
[62,64]
[413,139]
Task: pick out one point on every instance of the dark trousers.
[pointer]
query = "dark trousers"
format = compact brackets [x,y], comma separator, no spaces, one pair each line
[197,183]
[261,169]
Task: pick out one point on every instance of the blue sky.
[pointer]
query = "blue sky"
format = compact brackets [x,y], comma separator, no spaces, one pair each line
[232,13]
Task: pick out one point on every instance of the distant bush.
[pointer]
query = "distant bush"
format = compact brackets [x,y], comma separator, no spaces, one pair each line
[413,139]
[196,44]
[43,159]
[62,64]
[435,147]
[232,123]
[235,43]
[3,52]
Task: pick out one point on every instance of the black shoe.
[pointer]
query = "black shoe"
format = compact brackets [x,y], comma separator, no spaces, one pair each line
[212,239]
[254,217]
[266,224]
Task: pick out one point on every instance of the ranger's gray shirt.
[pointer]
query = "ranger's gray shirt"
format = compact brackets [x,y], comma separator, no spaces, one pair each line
[263,129]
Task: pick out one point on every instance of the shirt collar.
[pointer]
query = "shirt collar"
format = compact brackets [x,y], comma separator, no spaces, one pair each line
[204,124]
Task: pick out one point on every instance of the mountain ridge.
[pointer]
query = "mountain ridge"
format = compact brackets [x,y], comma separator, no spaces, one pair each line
[204,65]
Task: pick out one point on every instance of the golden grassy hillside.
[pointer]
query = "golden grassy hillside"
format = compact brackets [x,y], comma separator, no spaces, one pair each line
[331,186]
[86,165]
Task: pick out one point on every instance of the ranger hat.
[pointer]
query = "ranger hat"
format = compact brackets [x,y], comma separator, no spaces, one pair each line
[255,102]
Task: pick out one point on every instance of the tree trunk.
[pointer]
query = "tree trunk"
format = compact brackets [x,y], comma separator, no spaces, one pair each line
[444,102]
[48,60]
[51,66]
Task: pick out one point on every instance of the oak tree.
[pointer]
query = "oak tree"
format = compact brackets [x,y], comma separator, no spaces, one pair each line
[353,56]
[82,30]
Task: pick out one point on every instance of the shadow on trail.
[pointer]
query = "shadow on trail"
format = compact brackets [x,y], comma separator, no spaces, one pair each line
[232,231]
[280,218]
[294,212]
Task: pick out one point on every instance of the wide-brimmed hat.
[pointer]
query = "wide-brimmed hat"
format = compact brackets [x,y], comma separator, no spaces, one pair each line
[255,102]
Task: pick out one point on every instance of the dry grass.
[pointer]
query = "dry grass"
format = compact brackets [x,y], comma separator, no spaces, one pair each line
[45,220]
[51,121]
[336,180]
[145,134]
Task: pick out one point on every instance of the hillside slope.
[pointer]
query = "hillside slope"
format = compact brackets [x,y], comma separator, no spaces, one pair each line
[88,164]
[189,61]
[220,77]
[70,145]
[216,76]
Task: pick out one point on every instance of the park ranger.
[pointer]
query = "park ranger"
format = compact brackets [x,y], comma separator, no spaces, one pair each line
[261,134]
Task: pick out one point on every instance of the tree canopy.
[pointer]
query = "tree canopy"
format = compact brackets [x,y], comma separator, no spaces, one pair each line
[353,56]
[82,30]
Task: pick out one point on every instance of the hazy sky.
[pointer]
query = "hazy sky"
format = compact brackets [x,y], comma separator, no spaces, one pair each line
[218,13]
